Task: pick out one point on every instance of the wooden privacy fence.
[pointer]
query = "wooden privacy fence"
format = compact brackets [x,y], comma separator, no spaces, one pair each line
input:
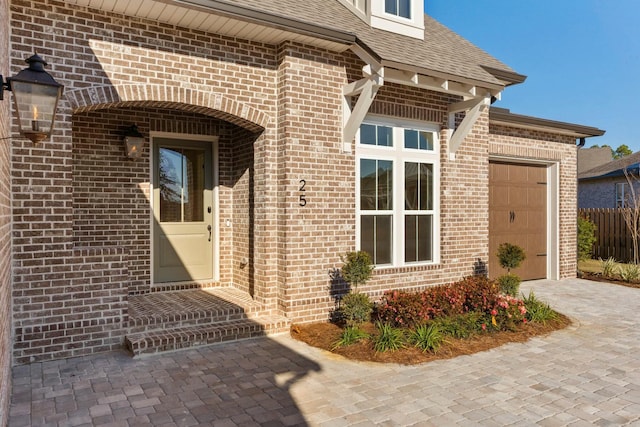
[613,238]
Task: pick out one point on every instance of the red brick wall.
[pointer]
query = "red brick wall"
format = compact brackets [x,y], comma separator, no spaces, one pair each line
[5,223]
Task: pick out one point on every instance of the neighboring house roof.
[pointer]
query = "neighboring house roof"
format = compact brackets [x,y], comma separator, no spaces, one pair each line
[589,158]
[506,117]
[613,168]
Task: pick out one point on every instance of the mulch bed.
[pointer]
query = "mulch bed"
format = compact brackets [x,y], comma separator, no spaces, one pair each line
[597,277]
[325,335]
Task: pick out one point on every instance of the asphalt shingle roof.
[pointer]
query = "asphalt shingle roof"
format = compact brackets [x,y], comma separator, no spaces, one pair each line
[614,167]
[442,50]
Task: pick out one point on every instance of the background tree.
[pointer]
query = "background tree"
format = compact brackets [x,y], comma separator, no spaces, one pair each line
[622,151]
[631,211]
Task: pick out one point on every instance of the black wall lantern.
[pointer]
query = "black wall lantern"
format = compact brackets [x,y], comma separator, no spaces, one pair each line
[36,95]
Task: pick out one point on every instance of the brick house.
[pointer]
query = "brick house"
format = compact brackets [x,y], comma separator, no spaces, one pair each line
[277,137]
[606,185]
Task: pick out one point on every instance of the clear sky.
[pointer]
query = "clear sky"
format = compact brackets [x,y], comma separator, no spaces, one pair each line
[581,58]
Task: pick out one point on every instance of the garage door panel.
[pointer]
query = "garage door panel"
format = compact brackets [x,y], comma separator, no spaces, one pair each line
[520,218]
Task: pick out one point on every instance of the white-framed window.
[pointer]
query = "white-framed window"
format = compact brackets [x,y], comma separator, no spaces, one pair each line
[620,194]
[400,8]
[398,192]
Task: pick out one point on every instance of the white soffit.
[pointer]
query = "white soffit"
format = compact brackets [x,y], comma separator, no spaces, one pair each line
[206,21]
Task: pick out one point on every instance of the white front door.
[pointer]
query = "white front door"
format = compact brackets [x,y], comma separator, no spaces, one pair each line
[183,210]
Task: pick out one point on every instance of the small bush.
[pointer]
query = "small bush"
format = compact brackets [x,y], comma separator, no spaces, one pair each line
[609,267]
[538,311]
[461,326]
[350,335]
[388,338]
[427,337]
[510,256]
[355,308]
[630,272]
[509,314]
[410,309]
[586,238]
[509,284]
[357,268]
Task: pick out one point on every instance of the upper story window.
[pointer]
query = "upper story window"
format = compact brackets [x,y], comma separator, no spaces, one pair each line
[404,17]
[400,8]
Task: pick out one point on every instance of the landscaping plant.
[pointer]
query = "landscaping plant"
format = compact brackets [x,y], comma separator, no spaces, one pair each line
[630,272]
[355,307]
[350,335]
[586,238]
[609,267]
[388,338]
[427,337]
[510,256]
[357,268]
[538,311]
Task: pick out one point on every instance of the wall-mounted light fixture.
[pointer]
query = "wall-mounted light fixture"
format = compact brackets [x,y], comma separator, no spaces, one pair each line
[133,141]
[36,95]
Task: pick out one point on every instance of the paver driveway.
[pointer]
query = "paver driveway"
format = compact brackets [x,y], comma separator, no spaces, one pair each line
[588,374]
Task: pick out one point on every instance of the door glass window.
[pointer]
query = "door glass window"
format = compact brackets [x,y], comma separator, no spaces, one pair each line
[181,181]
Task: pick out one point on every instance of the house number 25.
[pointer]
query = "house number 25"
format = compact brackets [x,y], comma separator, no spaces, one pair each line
[302,199]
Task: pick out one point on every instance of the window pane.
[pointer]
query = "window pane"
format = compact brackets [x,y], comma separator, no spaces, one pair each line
[411,139]
[385,136]
[426,186]
[425,245]
[368,184]
[404,8]
[390,6]
[411,186]
[375,237]
[410,239]
[170,185]
[193,179]
[385,184]
[418,242]
[367,235]
[368,134]
[383,239]
[426,141]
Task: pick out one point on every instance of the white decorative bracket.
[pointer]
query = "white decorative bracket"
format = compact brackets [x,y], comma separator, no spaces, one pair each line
[367,88]
[474,108]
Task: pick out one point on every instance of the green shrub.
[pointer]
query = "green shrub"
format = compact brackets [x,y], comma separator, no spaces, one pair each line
[350,335]
[630,272]
[538,311]
[355,309]
[388,338]
[427,337]
[586,238]
[461,326]
[609,267]
[510,256]
[509,284]
[357,268]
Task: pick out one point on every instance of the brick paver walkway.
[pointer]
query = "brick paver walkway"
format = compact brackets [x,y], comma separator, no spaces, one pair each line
[588,374]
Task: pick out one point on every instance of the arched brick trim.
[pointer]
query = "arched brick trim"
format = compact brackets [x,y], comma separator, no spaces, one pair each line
[197,101]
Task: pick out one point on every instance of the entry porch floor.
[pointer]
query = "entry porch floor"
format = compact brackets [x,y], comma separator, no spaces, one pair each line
[166,321]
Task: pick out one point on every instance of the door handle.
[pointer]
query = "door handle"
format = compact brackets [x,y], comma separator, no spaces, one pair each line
[209,230]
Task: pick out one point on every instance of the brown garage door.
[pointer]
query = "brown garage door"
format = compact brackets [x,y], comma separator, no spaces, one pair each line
[518,215]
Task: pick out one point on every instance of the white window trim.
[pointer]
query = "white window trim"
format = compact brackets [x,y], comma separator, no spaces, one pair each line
[399,155]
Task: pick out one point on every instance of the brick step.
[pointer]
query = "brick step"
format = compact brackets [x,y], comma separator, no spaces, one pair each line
[151,342]
[183,309]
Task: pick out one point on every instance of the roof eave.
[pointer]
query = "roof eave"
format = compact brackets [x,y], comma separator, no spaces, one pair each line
[268,19]
[505,117]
